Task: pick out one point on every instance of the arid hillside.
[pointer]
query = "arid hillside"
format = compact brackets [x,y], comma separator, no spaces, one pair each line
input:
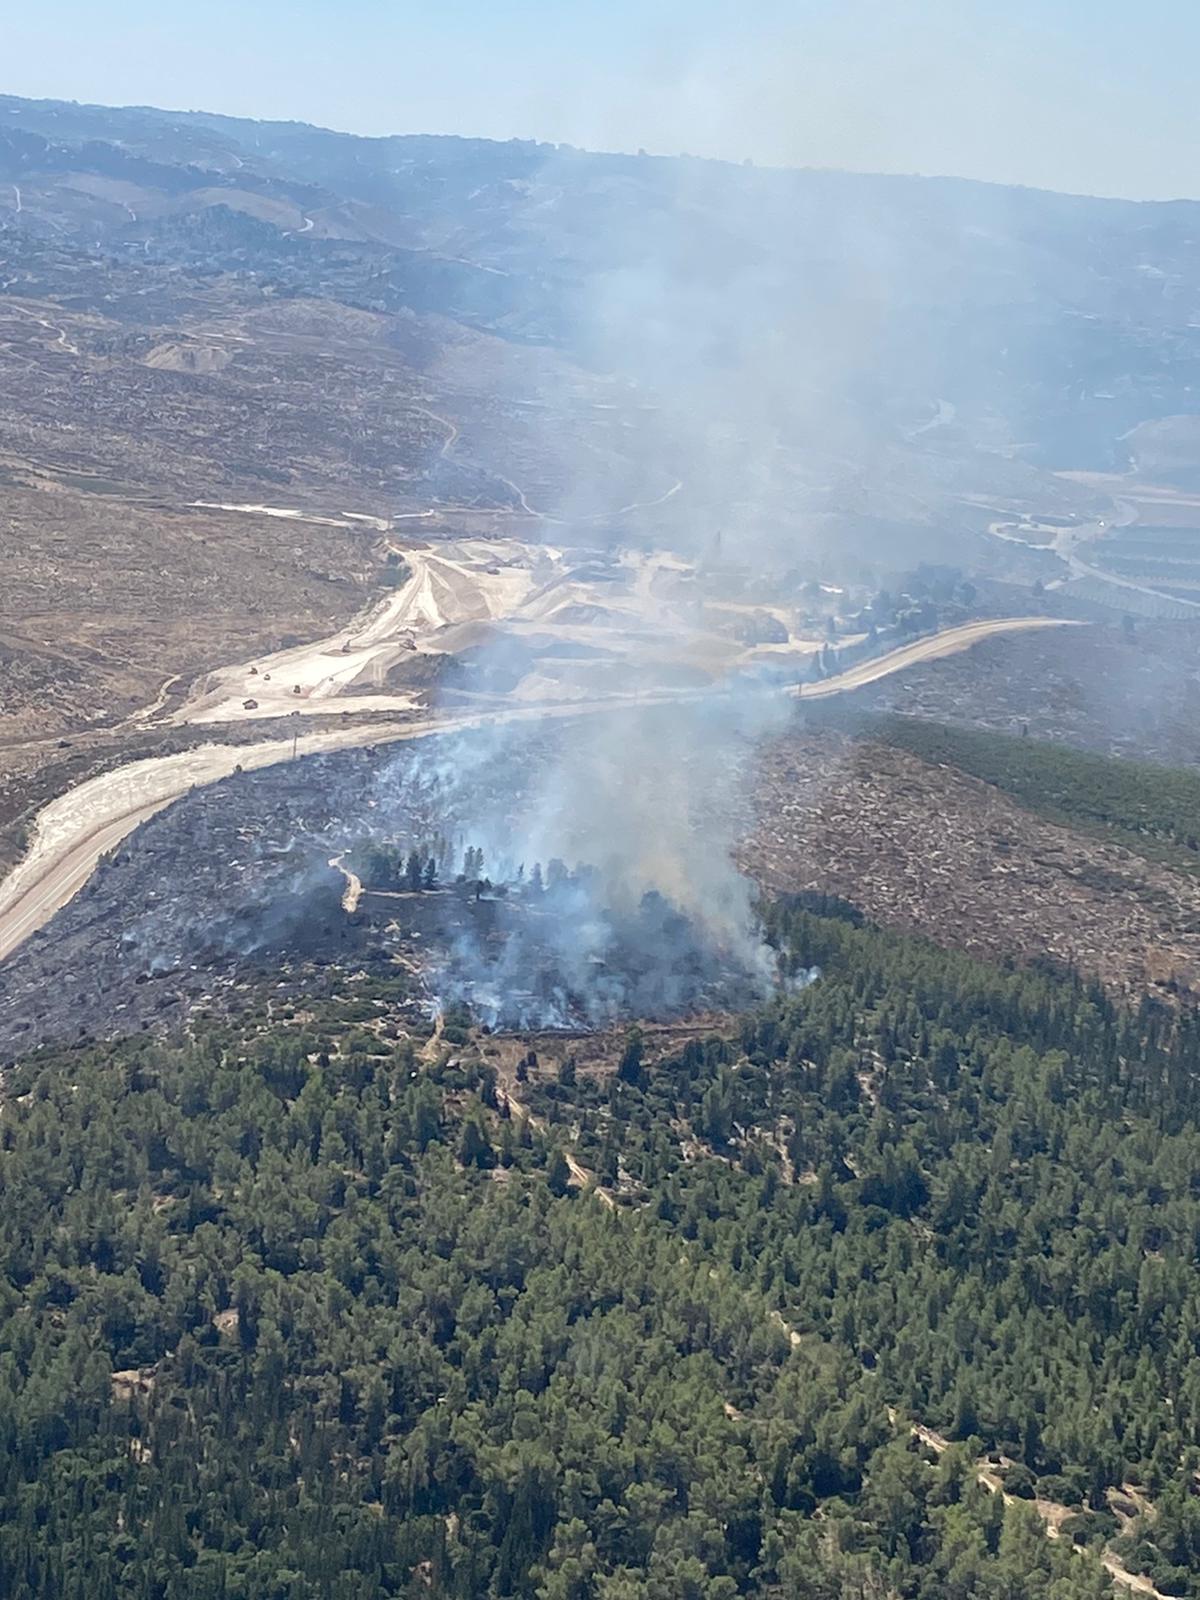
[199,313]
[932,850]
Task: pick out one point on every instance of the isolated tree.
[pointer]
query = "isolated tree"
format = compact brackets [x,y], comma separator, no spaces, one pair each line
[716,1112]
[629,1068]
[475,1149]
[508,1144]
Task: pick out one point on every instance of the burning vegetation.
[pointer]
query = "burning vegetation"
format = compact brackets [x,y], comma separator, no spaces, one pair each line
[542,949]
[321,872]
[363,863]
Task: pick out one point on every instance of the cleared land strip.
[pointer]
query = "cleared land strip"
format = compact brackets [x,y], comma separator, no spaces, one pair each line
[73,831]
[1051,1512]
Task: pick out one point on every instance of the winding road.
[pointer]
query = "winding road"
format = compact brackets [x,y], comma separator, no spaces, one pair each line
[77,828]
[1067,543]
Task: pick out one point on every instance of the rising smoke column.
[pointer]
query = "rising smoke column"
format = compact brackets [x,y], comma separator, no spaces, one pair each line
[690,294]
[646,799]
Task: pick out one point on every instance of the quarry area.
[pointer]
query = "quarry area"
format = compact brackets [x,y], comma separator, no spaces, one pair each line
[492,619]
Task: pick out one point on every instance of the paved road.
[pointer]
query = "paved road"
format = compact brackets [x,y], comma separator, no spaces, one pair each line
[76,829]
[1067,543]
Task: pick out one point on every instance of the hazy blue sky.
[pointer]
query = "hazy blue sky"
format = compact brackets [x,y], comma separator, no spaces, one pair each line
[1091,95]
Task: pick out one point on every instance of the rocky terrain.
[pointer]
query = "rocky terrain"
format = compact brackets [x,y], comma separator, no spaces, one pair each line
[1131,692]
[245,367]
[934,851]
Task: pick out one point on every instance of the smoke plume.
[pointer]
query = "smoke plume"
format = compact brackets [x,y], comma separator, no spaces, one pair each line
[642,802]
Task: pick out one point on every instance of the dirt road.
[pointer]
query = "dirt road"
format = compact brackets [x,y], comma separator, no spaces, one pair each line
[933,647]
[74,830]
[1066,543]
[1052,1512]
[354,887]
[579,1173]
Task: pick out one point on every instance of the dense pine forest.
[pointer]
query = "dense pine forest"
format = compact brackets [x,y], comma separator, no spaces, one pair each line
[296,1309]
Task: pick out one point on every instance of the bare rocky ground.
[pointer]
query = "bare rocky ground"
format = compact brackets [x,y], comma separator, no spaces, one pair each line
[163,357]
[933,851]
[1134,694]
[138,399]
[117,590]
[104,598]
